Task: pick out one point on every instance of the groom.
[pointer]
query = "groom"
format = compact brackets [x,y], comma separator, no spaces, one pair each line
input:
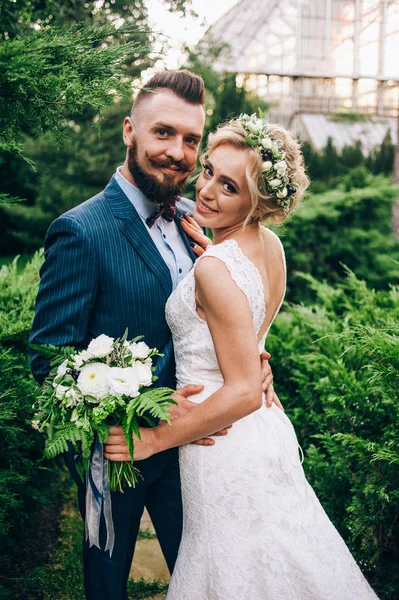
[111,263]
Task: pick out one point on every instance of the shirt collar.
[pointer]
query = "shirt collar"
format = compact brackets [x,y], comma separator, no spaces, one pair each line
[144,207]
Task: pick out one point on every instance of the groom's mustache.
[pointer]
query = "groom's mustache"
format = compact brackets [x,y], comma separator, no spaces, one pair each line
[166,163]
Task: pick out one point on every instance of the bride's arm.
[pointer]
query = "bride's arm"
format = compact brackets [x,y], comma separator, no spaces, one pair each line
[228,315]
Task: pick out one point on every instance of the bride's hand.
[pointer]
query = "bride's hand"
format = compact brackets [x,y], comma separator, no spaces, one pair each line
[192,229]
[116,448]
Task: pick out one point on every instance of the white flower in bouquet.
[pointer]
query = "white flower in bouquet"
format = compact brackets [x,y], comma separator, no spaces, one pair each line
[62,369]
[73,397]
[60,391]
[139,350]
[101,346]
[123,382]
[80,411]
[93,380]
[81,357]
[143,372]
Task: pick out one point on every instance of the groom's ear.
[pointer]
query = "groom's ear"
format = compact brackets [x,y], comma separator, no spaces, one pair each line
[128,131]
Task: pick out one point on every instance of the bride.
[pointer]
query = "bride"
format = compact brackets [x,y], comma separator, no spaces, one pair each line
[253,527]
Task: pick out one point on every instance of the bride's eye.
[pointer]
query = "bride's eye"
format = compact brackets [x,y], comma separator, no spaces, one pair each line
[229,188]
[207,170]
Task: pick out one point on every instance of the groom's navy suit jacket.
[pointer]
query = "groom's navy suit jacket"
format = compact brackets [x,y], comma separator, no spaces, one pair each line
[103,273]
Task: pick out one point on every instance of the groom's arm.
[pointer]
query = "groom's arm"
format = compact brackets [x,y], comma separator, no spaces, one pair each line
[68,286]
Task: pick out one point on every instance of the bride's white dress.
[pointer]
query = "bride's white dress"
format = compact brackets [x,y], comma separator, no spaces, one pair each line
[253,529]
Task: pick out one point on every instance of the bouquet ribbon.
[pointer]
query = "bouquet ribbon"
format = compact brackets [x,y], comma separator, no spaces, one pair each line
[98,500]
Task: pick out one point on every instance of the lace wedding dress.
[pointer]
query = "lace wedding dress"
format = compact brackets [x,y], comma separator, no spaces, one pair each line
[253,528]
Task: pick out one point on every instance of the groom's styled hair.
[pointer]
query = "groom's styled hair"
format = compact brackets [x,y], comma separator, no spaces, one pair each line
[185,85]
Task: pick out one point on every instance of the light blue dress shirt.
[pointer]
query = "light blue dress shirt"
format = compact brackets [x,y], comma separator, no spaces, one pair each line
[164,234]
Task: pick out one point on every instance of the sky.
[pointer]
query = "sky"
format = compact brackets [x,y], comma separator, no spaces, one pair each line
[185,30]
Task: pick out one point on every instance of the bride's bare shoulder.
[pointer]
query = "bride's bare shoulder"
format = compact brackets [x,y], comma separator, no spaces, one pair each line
[273,245]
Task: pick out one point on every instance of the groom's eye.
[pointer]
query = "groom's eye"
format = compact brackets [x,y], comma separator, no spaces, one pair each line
[162,132]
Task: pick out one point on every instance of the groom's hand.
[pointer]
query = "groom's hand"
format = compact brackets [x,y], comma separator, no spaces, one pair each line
[267,382]
[184,405]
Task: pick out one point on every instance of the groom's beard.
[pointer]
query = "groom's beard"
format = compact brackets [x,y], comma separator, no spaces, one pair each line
[165,192]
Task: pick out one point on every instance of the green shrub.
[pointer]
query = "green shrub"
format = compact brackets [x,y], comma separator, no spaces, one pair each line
[337,227]
[336,367]
[24,483]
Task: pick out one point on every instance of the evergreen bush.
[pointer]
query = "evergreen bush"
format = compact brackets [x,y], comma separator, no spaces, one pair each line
[24,482]
[343,227]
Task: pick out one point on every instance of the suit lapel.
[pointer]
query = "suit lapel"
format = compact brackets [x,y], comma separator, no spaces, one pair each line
[133,228]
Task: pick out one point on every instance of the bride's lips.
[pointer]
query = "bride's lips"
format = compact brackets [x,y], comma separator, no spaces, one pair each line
[203,207]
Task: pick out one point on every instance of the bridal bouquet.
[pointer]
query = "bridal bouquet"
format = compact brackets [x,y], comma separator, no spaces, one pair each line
[90,390]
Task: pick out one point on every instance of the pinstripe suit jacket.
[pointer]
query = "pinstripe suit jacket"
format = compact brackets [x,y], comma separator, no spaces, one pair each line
[103,273]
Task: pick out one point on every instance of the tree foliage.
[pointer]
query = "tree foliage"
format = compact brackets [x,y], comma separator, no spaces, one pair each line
[53,72]
[350,166]
[62,58]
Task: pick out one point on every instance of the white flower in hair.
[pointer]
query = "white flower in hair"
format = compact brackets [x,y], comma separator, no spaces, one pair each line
[275,150]
[267,165]
[281,165]
[267,143]
[275,183]
[282,193]
[254,126]
[101,346]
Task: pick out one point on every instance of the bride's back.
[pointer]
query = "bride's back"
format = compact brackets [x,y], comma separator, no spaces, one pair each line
[267,254]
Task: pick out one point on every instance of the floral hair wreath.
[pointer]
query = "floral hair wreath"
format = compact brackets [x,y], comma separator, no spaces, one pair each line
[275,171]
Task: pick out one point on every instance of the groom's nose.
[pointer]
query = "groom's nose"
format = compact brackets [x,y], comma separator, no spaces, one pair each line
[175,150]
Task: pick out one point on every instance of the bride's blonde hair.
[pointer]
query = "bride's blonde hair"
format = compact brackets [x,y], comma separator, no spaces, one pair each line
[263,203]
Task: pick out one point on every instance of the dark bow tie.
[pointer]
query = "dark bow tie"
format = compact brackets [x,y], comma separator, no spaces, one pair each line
[166,211]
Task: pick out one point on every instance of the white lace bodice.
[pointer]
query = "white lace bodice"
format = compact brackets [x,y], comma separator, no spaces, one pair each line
[194,350]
